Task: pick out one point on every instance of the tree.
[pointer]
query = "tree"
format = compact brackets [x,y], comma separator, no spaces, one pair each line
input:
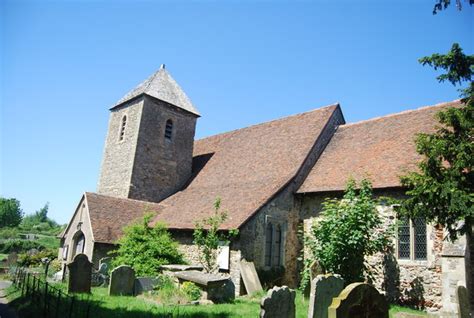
[208,238]
[442,190]
[146,248]
[443,4]
[347,231]
[42,214]
[10,212]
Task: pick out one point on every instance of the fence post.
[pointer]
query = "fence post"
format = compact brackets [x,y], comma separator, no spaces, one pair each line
[58,303]
[71,306]
[45,299]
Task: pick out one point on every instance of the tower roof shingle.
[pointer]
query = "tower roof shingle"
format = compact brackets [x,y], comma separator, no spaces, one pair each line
[162,86]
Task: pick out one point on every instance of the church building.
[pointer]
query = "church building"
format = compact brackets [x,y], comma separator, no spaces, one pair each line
[271,178]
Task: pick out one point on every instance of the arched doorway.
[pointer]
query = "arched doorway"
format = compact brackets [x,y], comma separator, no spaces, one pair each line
[78,244]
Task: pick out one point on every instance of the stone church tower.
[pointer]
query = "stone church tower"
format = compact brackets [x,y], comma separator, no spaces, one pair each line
[149,144]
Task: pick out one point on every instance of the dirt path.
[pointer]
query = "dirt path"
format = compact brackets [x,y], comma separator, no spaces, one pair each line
[5,311]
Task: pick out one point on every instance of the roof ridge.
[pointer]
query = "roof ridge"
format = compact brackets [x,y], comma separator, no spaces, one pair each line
[125,199]
[439,105]
[268,122]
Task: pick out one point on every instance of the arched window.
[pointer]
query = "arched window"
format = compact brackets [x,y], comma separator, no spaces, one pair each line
[122,127]
[169,129]
[278,241]
[78,244]
[268,244]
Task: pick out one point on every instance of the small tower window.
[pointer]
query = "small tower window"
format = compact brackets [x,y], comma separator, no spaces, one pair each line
[122,128]
[169,129]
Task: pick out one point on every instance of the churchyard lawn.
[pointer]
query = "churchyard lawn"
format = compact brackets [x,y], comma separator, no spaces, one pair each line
[105,306]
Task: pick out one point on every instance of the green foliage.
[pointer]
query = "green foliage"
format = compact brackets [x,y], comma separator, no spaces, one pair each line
[146,248]
[9,233]
[191,290]
[347,231]
[40,223]
[444,4]
[18,246]
[35,259]
[443,189]
[207,237]
[10,212]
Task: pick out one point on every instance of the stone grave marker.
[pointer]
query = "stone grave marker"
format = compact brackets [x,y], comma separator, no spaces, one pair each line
[214,287]
[462,296]
[323,289]
[250,277]
[359,300]
[122,281]
[105,263]
[144,284]
[279,303]
[80,272]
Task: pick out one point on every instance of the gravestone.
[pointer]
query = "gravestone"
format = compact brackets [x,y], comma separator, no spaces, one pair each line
[105,263]
[279,303]
[359,300]
[315,269]
[144,284]
[462,296]
[323,289]
[122,280]
[250,277]
[80,272]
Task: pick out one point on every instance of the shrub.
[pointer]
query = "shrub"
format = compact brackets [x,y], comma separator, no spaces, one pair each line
[191,290]
[18,246]
[146,248]
[35,259]
[207,237]
[347,231]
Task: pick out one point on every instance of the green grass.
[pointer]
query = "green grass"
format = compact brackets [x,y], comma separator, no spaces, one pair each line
[3,256]
[105,306]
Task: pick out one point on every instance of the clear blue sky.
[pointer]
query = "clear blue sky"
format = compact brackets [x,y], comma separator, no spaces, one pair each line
[63,64]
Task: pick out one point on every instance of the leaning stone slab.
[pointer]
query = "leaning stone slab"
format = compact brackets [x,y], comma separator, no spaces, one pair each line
[250,277]
[462,296]
[144,284]
[180,268]
[279,303]
[359,300]
[122,281]
[323,289]
[80,273]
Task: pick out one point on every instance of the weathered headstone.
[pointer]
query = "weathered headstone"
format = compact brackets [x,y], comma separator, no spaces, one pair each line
[359,300]
[144,284]
[250,277]
[462,296]
[122,280]
[323,289]
[105,261]
[80,272]
[279,303]
[315,269]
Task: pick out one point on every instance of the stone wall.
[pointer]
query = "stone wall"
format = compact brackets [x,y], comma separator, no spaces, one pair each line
[118,156]
[145,165]
[191,253]
[414,282]
[101,250]
[162,167]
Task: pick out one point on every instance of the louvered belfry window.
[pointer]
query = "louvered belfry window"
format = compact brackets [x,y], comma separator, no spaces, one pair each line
[169,129]
[122,128]
[412,241]
[404,238]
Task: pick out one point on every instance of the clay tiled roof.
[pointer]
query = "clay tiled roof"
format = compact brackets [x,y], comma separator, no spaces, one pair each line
[162,86]
[381,149]
[110,215]
[245,168]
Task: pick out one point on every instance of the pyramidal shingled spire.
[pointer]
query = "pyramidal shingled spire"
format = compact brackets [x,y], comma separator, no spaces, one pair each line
[162,86]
